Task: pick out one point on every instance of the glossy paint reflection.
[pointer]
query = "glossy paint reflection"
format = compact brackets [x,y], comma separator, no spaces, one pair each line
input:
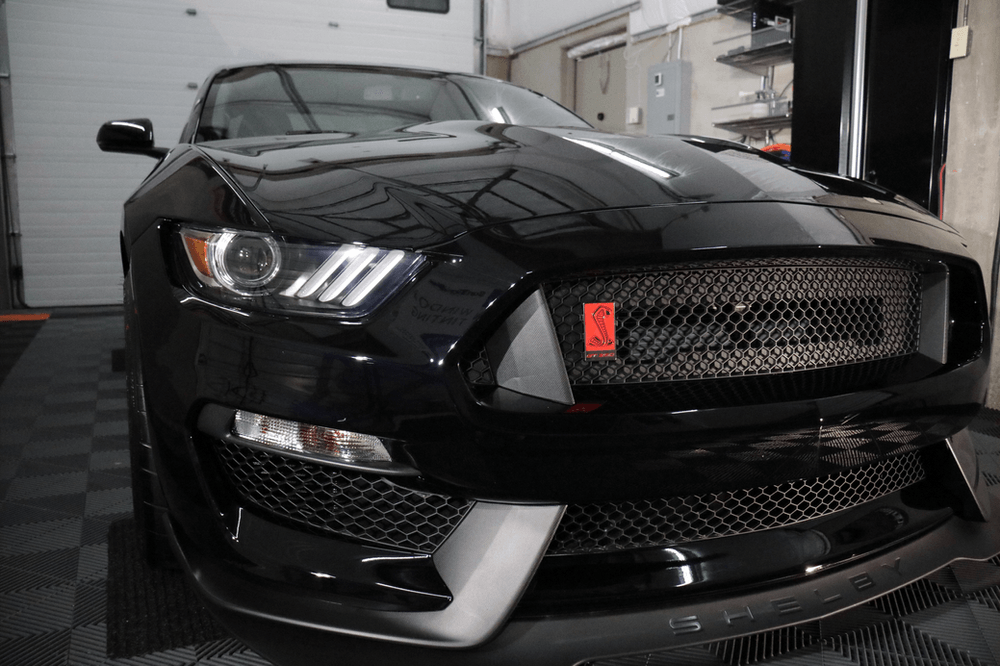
[426,184]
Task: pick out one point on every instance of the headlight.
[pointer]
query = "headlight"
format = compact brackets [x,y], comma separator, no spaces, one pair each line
[259,271]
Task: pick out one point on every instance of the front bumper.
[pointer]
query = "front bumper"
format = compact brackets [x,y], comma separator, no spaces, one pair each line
[489,561]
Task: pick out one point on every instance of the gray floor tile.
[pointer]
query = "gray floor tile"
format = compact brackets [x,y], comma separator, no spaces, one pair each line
[44,486]
[92,562]
[105,502]
[48,448]
[37,610]
[40,537]
[106,404]
[43,509]
[115,459]
[111,428]
[33,570]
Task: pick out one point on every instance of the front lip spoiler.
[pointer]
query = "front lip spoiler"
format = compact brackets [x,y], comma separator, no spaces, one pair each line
[491,557]
[573,639]
[817,596]
[486,563]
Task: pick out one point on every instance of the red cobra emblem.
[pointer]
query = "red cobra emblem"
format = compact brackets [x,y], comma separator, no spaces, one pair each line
[600,314]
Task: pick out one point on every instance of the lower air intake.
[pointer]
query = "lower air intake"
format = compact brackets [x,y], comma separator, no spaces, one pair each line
[330,500]
[594,528]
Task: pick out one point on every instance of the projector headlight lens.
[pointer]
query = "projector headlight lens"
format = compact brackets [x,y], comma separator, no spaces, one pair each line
[244,262]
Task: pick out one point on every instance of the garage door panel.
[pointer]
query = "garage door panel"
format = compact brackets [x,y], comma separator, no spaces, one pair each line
[77,64]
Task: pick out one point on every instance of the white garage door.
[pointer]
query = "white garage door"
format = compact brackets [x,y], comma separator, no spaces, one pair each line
[78,63]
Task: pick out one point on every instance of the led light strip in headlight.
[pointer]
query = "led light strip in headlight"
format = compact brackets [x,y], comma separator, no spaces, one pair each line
[257,270]
[339,279]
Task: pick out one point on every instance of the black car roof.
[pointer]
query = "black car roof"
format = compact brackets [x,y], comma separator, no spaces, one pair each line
[347,65]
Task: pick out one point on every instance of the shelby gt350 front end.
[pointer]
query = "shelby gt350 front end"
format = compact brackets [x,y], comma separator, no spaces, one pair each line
[438,389]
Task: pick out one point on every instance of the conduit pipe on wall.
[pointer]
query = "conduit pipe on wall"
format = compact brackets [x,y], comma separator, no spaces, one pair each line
[11,273]
[596,46]
[855,148]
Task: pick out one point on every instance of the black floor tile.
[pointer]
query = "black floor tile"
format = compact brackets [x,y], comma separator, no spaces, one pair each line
[79,462]
[108,479]
[95,528]
[33,570]
[29,511]
[44,649]
[15,336]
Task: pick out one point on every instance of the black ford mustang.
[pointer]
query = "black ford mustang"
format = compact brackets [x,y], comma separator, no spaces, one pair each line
[425,370]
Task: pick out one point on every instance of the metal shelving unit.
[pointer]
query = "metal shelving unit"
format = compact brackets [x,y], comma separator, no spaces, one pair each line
[763,49]
[777,53]
[757,128]
[743,9]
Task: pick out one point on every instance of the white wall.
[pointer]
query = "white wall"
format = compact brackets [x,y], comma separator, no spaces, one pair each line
[670,14]
[511,23]
[78,63]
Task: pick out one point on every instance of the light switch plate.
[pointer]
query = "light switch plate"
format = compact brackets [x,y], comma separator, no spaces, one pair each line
[959,42]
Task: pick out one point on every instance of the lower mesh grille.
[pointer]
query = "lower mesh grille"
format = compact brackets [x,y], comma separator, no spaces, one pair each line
[330,500]
[760,389]
[592,528]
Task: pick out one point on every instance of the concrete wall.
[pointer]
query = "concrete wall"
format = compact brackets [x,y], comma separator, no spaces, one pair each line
[546,69]
[498,67]
[600,90]
[972,180]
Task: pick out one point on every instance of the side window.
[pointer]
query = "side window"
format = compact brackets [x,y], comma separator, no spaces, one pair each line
[436,6]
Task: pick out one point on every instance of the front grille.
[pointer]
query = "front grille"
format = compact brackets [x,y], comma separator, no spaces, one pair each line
[477,368]
[732,391]
[741,318]
[592,528]
[329,500]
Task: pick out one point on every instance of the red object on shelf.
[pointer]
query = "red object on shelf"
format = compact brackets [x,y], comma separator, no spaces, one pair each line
[782,150]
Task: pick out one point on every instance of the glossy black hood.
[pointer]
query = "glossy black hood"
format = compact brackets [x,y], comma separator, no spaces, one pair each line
[428,184]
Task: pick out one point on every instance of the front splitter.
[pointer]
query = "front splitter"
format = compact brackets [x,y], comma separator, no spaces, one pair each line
[290,639]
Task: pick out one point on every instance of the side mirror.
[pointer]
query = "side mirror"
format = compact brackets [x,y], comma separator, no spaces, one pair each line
[129,136]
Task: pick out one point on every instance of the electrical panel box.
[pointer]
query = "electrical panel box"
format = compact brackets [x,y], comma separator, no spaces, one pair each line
[668,108]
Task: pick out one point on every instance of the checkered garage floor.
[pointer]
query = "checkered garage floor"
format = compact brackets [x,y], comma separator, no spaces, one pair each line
[64,480]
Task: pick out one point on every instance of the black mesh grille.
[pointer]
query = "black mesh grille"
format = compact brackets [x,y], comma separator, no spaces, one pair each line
[477,368]
[664,522]
[326,499]
[741,318]
[732,391]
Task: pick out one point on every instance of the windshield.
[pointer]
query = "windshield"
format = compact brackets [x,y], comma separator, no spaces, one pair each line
[289,100]
[504,103]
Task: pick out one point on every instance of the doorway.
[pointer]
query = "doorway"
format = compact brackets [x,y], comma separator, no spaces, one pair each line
[600,89]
